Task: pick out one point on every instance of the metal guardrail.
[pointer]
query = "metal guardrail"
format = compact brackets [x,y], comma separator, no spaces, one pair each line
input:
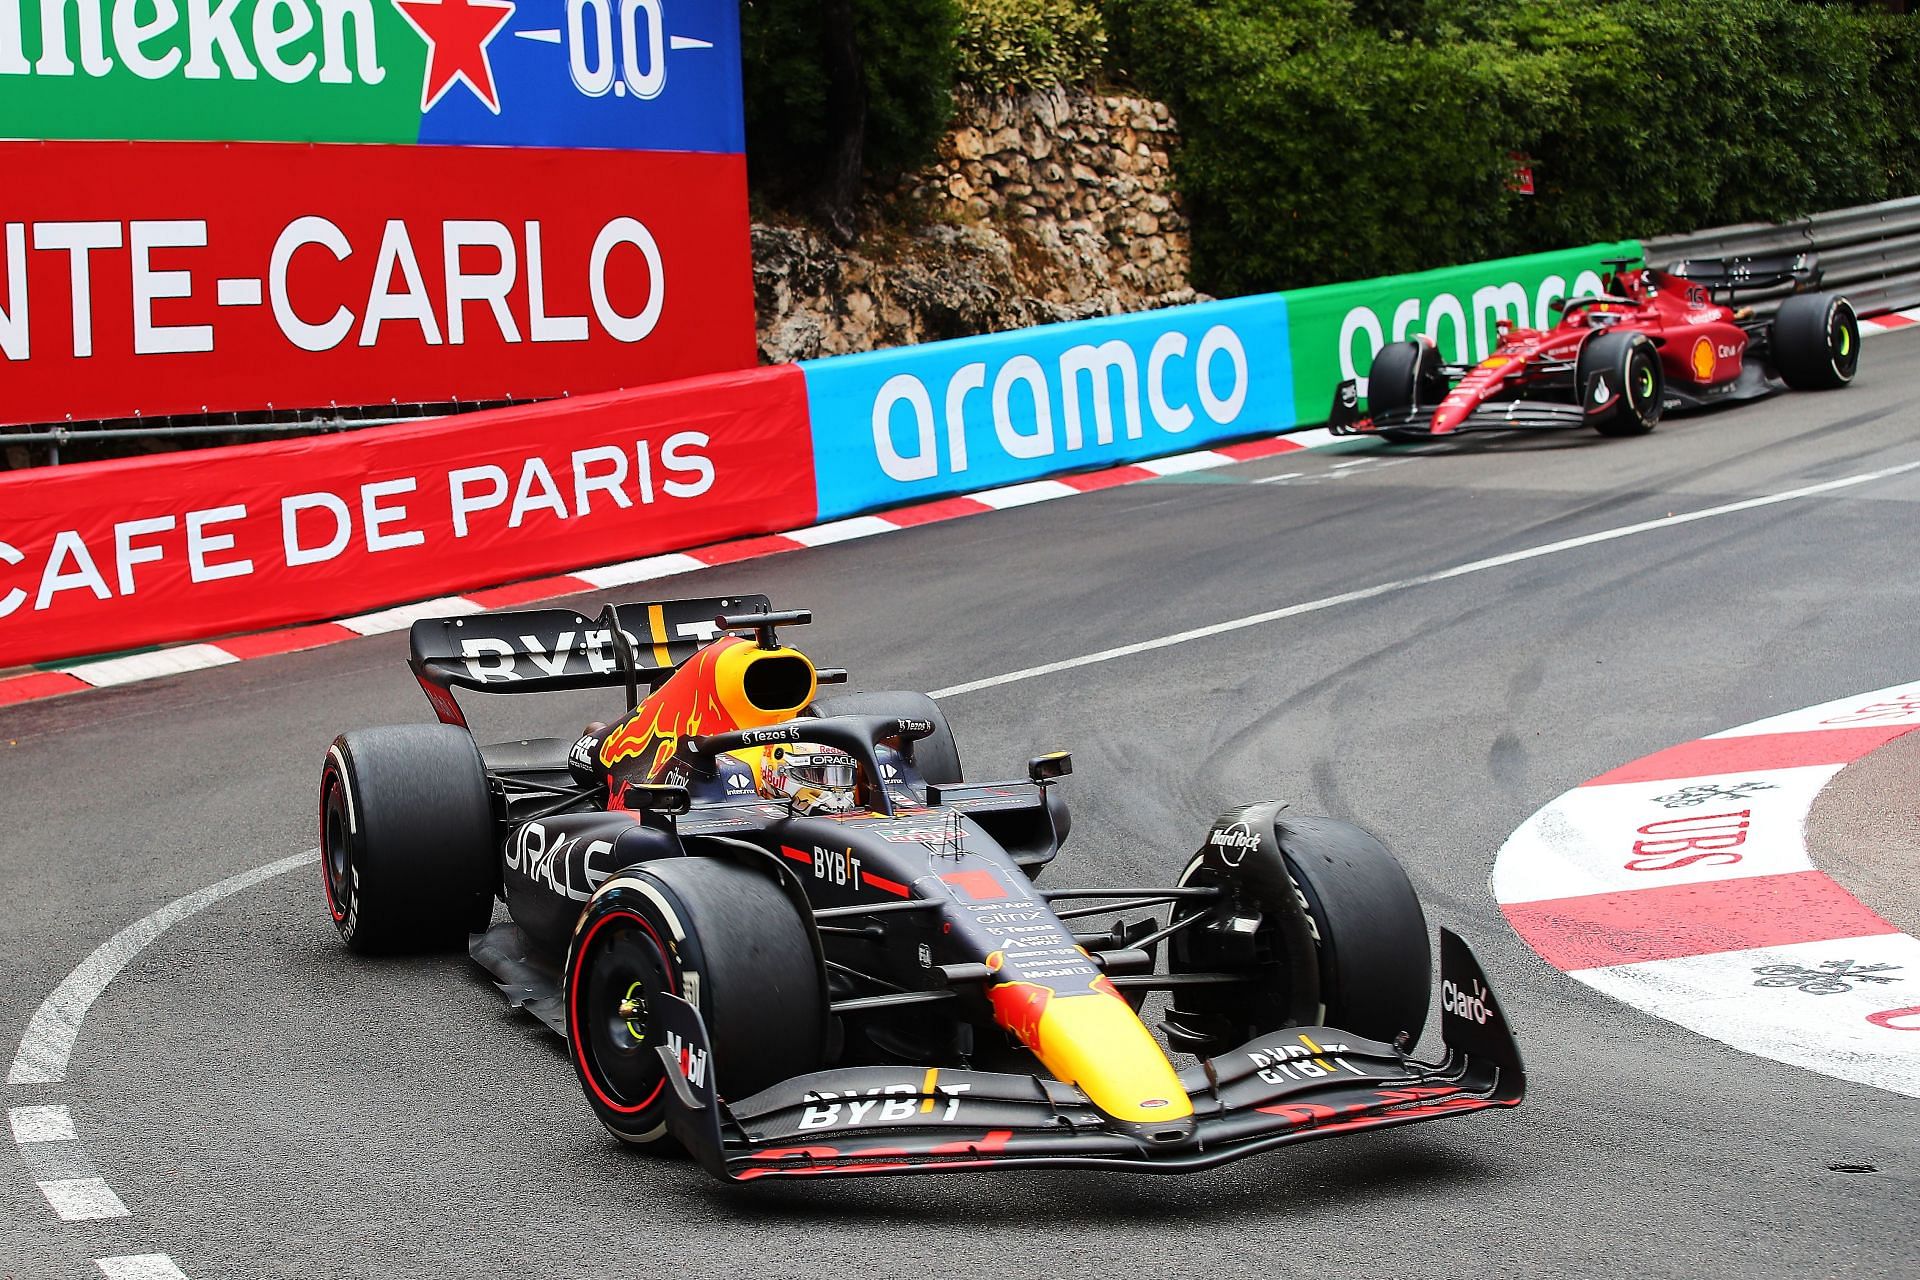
[1871,253]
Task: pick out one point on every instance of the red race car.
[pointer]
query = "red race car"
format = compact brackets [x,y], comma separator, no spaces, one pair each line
[1655,340]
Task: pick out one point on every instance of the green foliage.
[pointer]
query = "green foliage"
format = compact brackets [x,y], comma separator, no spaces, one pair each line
[1009,44]
[1335,139]
[794,121]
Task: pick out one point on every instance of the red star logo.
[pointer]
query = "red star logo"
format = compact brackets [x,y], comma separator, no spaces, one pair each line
[457,33]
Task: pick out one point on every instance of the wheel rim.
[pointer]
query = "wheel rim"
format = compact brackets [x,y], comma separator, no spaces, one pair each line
[1643,383]
[623,967]
[336,859]
[1843,339]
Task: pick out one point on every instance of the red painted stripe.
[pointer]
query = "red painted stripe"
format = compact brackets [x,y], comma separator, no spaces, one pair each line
[1678,920]
[526,592]
[1893,320]
[771,544]
[1754,752]
[881,883]
[39,684]
[796,855]
[288,640]
[1108,479]
[1247,450]
[933,512]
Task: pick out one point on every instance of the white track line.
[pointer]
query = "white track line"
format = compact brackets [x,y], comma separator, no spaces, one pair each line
[82,1199]
[43,1052]
[41,1124]
[1388,588]
[140,1266]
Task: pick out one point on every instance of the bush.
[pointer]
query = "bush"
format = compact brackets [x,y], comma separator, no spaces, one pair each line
[1009,44]
[795,119]
[1334,139]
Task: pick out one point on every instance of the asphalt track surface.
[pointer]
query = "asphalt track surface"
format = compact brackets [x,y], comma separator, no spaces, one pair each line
[267,1106]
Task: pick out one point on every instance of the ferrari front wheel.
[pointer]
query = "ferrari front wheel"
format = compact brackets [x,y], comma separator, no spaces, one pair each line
[721,937]
[1620,384]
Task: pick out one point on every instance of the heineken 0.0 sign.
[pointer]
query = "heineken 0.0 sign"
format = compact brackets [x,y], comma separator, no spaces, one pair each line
[545,197]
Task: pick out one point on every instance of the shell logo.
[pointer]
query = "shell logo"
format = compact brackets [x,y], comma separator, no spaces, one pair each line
[1705,362]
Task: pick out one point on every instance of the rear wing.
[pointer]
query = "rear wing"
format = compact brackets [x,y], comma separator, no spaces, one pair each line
[536,650]
[1757,271]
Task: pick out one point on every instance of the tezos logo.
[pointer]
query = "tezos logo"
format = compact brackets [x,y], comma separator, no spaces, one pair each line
[1475,1008]
[1233,843]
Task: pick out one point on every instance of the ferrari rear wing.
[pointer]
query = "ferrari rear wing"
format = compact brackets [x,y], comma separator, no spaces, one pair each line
[1756,271]
[1287,1086]
[536,650]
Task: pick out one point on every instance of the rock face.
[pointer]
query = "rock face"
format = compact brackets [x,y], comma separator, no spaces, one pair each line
[1043,207]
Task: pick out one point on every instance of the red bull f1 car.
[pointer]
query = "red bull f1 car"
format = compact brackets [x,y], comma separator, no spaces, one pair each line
[1655,341]
[778,930]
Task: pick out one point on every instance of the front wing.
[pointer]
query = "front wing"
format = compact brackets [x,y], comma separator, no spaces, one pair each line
[1283,1087]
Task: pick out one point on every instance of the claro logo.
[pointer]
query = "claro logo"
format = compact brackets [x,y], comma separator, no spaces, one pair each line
[1023,394]
[1460,334]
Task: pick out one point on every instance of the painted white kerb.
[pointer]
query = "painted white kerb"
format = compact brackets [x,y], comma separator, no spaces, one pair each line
[42,1057]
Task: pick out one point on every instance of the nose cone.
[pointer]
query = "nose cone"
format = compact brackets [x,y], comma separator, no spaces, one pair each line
[1094,1040]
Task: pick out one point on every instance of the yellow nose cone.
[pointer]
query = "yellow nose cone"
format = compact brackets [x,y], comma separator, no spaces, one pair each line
[1096,1042]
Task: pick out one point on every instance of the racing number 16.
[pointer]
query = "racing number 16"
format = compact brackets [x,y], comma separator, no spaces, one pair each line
[590,52]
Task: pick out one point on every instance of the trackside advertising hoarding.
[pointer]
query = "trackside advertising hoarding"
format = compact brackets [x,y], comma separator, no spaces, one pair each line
[543,199]
[913,423]
[112,555]
[919,422]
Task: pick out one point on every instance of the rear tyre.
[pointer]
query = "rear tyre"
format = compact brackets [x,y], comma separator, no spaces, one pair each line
[1405,375]
[1623,368]
[937,756]
[406,838]
[1816,342]
[1369,941]
[717,935]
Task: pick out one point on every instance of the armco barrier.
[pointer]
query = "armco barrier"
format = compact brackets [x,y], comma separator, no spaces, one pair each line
[1870,253]
[915,423]
[918,422]
[113,555]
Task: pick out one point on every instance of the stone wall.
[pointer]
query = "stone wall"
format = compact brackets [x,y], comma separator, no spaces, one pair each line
[1044,207]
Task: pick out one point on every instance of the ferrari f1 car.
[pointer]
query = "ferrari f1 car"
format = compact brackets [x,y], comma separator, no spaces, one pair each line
[1654,341]
[780,931]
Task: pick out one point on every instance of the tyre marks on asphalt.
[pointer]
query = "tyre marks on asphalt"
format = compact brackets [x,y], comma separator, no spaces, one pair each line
[44,1131]
[1681,884]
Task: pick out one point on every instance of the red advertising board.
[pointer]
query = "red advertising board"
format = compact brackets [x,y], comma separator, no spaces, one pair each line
[113,555]
[163,278]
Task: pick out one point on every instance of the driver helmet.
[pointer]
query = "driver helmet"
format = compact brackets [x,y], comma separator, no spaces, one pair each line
[815,778]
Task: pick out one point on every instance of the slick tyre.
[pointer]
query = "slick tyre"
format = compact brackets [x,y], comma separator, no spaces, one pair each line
[722,937]
[936,756]
[1816,342]
[407,855]
[1623,368]
[1405,375]
[1368,937]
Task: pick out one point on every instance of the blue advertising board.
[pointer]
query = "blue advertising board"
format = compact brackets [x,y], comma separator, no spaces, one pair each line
[913,423]
[638,75]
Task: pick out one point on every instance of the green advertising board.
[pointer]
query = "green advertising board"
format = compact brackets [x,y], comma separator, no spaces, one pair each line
[1334,330]
[266,70]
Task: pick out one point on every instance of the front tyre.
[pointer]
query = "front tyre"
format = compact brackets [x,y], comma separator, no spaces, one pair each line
[721,937]
[1621,384]
[1361,963]
[1816,342]
[407,854]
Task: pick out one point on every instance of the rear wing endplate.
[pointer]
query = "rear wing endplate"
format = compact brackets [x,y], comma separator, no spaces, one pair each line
[537,650]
